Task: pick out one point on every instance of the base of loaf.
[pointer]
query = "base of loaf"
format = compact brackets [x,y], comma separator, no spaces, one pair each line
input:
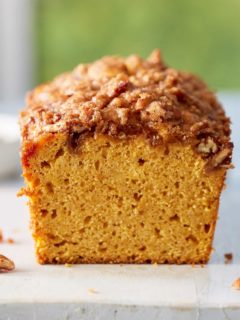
[121,201]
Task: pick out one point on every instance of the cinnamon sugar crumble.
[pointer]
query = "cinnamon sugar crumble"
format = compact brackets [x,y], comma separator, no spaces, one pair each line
[123,97]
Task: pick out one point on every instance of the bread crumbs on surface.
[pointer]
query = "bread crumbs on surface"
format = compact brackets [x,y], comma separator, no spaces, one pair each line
[10,241]
[228,258]
[93,291]
[68,265]
[236,284]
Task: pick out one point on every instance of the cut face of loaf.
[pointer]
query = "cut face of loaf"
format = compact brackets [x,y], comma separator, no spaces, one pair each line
[110,200]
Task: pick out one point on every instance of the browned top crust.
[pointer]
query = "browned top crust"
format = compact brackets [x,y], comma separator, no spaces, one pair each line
[123,97]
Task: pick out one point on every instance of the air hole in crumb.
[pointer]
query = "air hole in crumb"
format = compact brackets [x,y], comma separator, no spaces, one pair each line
[104,153]
[186,225]
[87,219]
[105,225]
[60,244]
[49,187]
[50,236]
[66,181]
[36,182]
[82,230]
[166,151]
[142,248]
[44,212]
[177,184]
[74,141]
[137,196]
[97,165]
[174,218]
[45,164]
[54,213]
[207,227]
[157,232]
[102,249]
[142,224]
[113,233]
[192,239]
[120,202]
[59,153]
[134,181]
[141,161]
[148,261]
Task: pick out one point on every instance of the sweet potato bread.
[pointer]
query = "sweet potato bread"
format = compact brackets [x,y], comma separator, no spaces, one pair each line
[124,161]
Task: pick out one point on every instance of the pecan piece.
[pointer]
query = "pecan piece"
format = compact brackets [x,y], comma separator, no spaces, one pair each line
[220,159]
[221,156]
[6,264]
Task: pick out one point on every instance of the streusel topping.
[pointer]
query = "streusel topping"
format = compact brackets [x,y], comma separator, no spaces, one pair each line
[123,97]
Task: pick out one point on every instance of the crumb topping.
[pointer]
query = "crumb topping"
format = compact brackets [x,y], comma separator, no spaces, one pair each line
[124,97]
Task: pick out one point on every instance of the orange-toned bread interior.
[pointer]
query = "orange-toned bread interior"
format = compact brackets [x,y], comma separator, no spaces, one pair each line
[121,201]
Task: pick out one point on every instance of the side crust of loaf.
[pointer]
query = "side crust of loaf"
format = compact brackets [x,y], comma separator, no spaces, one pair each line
[121,201]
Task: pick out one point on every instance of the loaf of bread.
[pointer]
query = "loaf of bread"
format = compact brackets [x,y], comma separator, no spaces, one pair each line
[124,161]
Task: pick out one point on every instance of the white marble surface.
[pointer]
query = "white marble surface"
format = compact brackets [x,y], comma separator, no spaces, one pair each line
[138,292]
